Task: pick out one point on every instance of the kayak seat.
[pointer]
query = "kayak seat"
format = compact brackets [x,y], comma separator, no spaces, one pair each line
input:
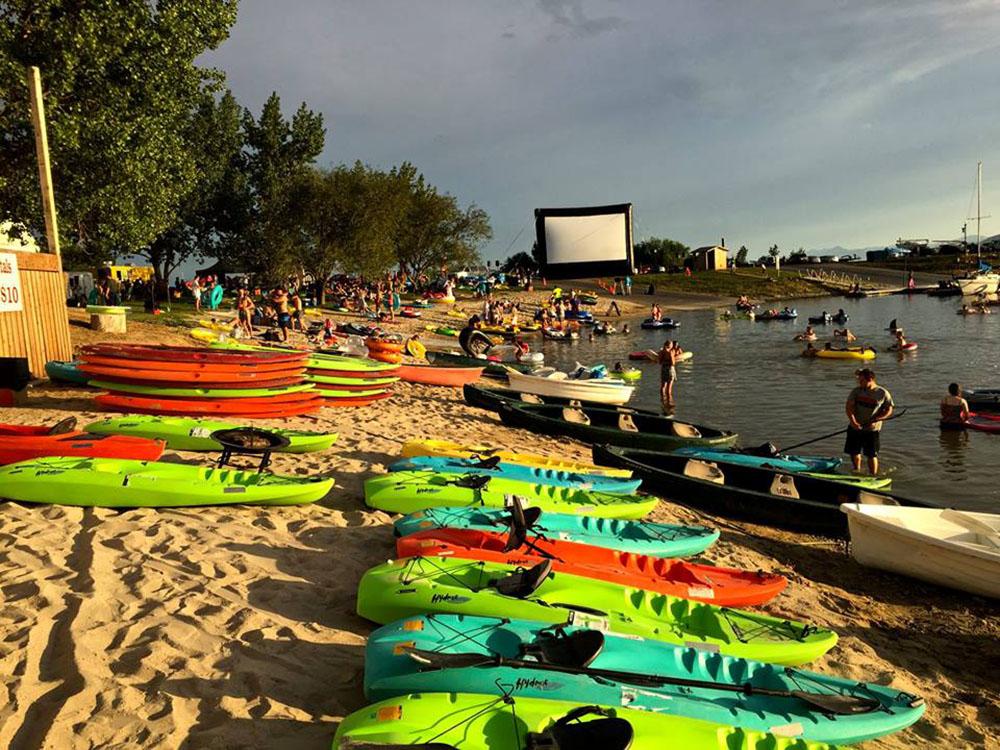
[578,649]
[576,416]
[685,430]
[489,463]
[566,734]
[522,583]
[531,398]
[63,426]
[626,423]
[870,498]
[705,470]
[784,485]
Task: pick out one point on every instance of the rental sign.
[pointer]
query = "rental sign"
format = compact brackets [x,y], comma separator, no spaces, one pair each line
[11,296]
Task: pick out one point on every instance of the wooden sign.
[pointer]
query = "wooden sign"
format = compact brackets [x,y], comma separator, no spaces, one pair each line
[11,295]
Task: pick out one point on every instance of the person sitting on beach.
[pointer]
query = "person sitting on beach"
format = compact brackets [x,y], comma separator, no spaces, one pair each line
[954,408]
[473,341]
[846,334]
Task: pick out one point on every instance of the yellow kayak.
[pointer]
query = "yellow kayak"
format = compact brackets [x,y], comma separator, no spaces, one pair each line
[853,353]
[205,334]
[447,449]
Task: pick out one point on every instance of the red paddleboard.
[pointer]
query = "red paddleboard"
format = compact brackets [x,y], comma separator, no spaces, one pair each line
[26,447]
[208,407]
[179,378]
[164,366]
[983,422]
[190,354]
[729,587]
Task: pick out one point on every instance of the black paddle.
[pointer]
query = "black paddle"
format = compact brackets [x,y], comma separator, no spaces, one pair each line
[900,413]
[844,705]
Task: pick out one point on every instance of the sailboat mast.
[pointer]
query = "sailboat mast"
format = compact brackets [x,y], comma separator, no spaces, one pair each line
[979,210]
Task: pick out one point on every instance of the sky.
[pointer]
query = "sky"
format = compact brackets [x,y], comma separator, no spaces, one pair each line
[805,123]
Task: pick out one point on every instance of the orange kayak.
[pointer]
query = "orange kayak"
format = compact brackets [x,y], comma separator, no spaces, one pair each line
[14,448]
[455,377]
[728,587]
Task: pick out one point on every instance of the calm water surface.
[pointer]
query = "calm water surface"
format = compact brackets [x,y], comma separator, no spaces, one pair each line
[749,377]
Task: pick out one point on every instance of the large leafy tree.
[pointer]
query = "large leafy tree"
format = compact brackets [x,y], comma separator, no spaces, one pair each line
[278,153]
[657,251]
[435,231]
[120,85]
[217,208]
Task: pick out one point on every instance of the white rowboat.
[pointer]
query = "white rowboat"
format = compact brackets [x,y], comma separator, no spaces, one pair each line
[953,548]
[580,390]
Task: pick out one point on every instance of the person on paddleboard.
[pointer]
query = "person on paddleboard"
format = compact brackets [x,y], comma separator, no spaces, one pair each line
[954,408]
[868,405]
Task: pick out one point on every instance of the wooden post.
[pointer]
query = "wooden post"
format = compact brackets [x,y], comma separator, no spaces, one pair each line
[44,165]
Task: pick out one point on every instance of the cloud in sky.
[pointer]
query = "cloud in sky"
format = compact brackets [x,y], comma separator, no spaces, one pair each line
[808,123]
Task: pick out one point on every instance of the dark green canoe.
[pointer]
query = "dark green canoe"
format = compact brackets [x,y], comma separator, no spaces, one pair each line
[613,427]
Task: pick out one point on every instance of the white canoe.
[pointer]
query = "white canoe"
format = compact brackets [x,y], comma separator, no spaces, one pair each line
[581,390]
[958,549]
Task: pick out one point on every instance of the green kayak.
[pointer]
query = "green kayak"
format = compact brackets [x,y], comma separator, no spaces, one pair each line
[121,483]
[319,361]
[461,721]
[335,380]
[612,426]
[151,390]
[191,434]
[865,483]
[410,491]
[419,585]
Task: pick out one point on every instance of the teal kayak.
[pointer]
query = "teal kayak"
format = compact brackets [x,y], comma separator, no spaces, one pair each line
[459,721]
[424,585]
[409,491]
[639,537]
[784,462]
[66,372]
[493,467]
[193,434]
[467,654]
[123,483]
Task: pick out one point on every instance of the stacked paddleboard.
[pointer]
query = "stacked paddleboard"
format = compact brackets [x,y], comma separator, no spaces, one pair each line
[148,379]
[350,381]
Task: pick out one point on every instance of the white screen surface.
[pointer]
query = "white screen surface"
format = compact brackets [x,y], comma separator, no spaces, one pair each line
[583,239]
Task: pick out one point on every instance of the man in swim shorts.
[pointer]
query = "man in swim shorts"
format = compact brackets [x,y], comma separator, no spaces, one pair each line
[868,405]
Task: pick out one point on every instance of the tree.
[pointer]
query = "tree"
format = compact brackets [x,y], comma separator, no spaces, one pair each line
[741,255]
[520,262]
[277,153]
[774,253]
[217,204]
[435,231]
[120,84]
[654,252]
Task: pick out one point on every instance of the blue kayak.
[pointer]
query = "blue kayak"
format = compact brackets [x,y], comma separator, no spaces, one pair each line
[66,372]
[641,537]
[458,653]
[494,468]
[783,462]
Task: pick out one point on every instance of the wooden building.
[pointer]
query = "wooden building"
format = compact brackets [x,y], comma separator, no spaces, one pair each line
[710,258]
[34,325]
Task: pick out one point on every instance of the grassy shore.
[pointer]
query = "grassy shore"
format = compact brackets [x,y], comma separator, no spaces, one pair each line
[757,283]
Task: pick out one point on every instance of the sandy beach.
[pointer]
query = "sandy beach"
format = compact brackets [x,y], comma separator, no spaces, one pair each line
[235,627]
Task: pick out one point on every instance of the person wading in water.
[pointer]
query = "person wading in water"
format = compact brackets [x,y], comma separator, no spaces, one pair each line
[868,405]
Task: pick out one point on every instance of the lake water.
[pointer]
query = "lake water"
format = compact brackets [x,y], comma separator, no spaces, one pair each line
[749,377]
